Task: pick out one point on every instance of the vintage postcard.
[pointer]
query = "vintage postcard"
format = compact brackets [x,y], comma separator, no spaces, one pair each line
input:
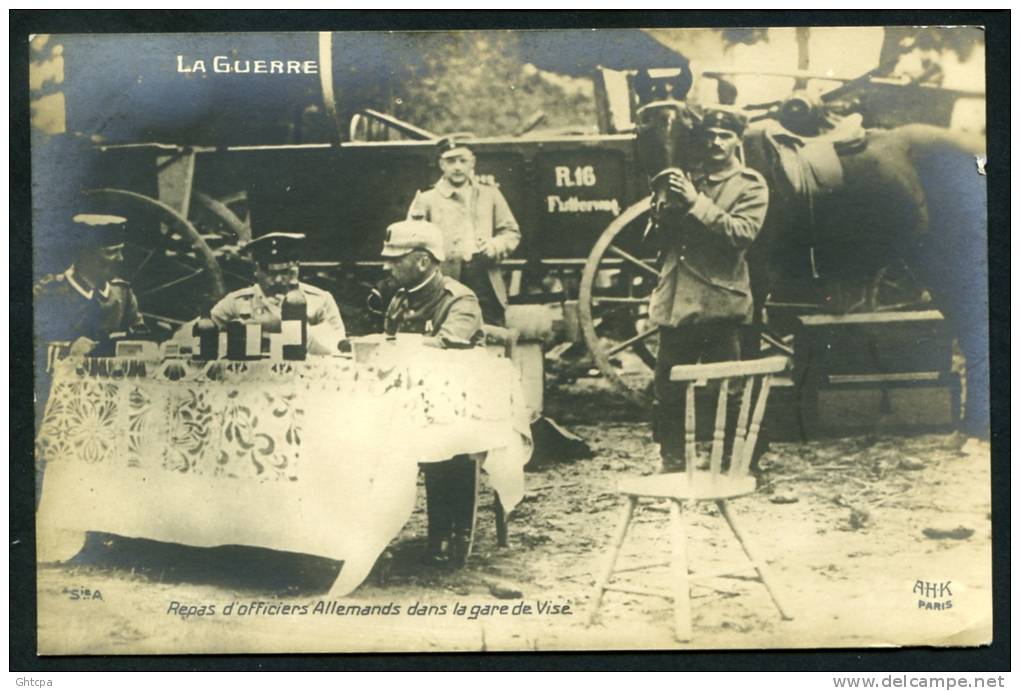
[552,340]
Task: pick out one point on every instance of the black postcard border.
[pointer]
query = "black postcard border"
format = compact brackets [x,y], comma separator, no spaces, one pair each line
[22,596]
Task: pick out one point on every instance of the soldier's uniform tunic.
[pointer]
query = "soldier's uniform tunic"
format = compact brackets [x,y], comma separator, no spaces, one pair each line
[704,293]
[441,308]
[325,326]
[467,216]
[67,309]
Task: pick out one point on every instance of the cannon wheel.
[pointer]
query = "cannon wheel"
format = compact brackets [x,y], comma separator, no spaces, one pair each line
[602,315]
[164,251]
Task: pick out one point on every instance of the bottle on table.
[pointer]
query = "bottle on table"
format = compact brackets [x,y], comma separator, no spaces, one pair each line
[208,336]
[237,346]
[294,324]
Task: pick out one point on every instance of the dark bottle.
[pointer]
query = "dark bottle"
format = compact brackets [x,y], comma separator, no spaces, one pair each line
[237,335]
[208,339]
[294,324]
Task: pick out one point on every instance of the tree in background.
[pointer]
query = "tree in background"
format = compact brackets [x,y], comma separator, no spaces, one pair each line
[474,82]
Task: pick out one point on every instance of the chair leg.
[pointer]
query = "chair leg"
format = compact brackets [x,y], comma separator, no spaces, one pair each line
[614,554]
[681,575]
[477,469]
[501,530]
[759,565]
[437,508]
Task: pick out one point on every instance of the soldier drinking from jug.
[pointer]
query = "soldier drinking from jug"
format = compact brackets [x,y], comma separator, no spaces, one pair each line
[704,291]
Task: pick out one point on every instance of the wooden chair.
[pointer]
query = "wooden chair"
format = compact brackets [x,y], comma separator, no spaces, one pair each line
[716,483]
[500,342]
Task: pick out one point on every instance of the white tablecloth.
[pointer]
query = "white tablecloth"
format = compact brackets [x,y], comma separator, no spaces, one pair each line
[318,457]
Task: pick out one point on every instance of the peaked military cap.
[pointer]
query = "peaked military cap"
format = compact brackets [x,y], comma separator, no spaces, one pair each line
[453,145]
[99,230]
[724,118]
[276,248]
[406,236]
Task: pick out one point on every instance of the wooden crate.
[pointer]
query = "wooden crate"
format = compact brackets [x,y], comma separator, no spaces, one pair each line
[871,343]
[907,403]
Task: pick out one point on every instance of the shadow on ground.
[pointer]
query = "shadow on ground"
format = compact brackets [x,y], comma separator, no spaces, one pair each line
[231,566]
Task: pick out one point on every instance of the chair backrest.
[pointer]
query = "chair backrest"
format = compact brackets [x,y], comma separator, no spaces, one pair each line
[500,340]
[750,378]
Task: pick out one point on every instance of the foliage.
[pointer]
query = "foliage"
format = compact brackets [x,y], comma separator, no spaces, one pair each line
[747,36]
[478,82]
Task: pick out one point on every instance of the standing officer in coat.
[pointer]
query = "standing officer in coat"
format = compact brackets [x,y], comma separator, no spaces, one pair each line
[277,266]
[447,314]
[478,228]
[704,292]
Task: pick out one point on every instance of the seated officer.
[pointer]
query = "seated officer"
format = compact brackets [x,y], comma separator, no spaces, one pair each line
[87,304]
[448,315]
[427,302]
[276,273]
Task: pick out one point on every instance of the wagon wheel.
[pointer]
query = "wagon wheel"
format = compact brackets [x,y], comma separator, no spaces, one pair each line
[217,219]
[895,287]
[613,307]
[171,269]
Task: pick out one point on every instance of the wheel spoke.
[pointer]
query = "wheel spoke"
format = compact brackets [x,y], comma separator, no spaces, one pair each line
[170,284]
[623,300]
[239,277]
[159,317]
[145,261]
[179,264]
[633,260]
[631,341]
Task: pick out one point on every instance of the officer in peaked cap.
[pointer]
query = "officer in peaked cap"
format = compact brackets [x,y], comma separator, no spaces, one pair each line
[452,146]
[704,291]
[477,226]
[448,315]
[87,304]
[276,248]
[726,118]
[277,267]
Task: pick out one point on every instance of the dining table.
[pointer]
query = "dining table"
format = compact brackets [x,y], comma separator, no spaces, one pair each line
[318,456]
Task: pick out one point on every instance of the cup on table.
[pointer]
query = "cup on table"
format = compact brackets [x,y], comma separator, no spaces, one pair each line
[366,348]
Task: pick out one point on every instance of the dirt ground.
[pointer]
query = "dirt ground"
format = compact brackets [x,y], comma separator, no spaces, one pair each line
[849,527]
